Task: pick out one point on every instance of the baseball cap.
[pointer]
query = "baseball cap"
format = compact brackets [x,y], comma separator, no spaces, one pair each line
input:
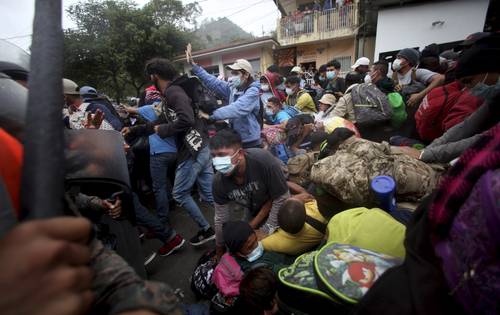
[241,64]
[88,90]
[470,40]
[328,99]
[296,69]
[363,61]
[70,87]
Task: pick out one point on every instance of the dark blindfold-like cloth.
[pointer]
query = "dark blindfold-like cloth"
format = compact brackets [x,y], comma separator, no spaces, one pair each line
[236,233]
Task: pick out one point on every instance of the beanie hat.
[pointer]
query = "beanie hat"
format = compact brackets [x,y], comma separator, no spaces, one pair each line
[235,234]
[410,54]
[482,57]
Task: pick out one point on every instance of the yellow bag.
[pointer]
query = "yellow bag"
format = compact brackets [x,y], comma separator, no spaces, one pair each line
[372,229]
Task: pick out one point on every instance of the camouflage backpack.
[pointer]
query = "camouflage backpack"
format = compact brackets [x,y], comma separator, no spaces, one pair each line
[299,168]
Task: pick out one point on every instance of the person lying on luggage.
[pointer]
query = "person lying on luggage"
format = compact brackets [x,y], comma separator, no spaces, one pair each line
[244,246]
[252,178]
[302,226]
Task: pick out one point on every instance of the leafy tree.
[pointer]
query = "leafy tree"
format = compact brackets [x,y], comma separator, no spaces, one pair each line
[114,38]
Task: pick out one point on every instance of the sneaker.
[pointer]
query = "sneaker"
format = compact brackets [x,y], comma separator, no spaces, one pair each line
[170,247]
[149,258]
[202,237]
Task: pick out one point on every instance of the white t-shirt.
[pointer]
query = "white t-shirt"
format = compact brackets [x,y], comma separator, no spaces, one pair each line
[423,76]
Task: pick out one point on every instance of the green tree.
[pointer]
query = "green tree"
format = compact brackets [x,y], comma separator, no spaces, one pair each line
[113,39]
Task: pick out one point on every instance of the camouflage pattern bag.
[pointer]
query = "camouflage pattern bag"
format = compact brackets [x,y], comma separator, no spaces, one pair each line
[299,168]
[348,172]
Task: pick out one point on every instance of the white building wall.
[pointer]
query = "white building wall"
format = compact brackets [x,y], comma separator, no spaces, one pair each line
[411,25]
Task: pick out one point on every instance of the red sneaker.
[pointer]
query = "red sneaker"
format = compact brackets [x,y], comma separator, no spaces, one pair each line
[170,247]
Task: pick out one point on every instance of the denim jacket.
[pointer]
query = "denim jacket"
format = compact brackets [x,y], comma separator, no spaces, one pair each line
[243,106]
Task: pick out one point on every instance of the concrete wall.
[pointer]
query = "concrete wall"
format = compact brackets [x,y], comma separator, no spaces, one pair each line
[411,25]
[324,52]
[366,47]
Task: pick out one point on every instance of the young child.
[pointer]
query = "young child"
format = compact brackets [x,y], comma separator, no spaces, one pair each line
[245,247]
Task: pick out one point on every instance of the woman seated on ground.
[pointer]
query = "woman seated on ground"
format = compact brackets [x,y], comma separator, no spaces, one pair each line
[275,114]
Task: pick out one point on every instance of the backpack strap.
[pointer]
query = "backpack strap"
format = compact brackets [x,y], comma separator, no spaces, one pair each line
[319,226]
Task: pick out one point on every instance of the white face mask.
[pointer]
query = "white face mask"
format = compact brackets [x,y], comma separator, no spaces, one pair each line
[368,79]
[289,91]
[256,253]
[396,65]
[264,87]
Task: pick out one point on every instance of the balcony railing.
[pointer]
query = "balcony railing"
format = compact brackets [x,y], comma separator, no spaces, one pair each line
[316,26]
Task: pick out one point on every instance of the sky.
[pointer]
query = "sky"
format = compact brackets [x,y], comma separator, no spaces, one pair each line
[254,16]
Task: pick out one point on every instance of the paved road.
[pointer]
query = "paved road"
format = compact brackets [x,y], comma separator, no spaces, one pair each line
[176,269]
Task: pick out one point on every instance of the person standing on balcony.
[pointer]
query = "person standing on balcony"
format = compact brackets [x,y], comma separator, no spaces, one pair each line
[327,5]
[336,84]
[316,6]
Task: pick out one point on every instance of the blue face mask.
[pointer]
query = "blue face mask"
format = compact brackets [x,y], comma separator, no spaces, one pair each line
[330,75]
[322,78]
[269,112]
[223,164]
[235,81]
[256,253]
[485,91]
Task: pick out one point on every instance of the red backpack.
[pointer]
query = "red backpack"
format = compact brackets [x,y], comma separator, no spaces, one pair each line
[434,109]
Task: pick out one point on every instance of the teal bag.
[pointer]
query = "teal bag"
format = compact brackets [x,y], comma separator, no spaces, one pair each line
[347,272]
[399,114]
[299,290]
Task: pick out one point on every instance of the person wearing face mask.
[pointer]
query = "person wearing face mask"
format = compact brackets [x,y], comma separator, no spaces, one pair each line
[298,97]
[326,105]
[250,178]
[361,66]
[336,85]
[275,113]
[242,94]
[298,72]
[406,74]
[268,88]
[378,76]
[483,80]
[243,244]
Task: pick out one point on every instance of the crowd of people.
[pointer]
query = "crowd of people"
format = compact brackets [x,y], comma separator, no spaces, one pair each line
[301,21]
[389,174]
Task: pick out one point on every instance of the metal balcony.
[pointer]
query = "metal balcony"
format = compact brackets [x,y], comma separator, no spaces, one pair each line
[318,26]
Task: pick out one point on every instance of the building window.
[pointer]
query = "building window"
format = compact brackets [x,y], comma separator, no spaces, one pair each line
[345,63]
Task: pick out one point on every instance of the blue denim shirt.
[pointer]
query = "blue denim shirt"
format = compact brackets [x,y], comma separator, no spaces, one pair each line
[243,106]
[157,145]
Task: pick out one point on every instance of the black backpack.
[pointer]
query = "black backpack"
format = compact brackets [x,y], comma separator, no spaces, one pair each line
[202,98]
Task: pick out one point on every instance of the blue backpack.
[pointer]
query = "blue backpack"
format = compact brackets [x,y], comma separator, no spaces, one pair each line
[292,111]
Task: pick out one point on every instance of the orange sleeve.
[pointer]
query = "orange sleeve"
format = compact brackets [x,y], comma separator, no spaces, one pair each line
[11,159]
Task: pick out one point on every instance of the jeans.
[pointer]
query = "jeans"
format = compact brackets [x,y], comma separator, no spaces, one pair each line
[188,173]
[149,220]
[159,165]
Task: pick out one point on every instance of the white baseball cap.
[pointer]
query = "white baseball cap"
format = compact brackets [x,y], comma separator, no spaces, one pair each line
[296,69]
[363,61]
[70,87]
[241,64]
